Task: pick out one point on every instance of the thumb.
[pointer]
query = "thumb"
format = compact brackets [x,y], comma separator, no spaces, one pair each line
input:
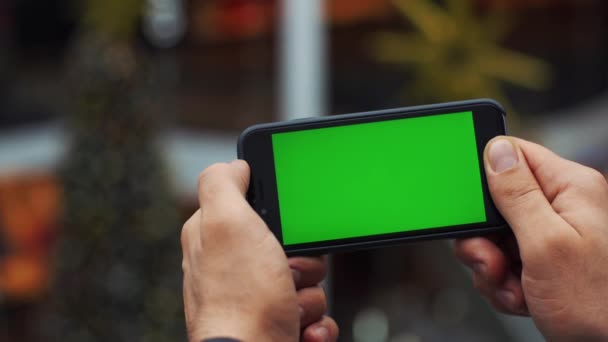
[223,184]
[227,219]
[519,197]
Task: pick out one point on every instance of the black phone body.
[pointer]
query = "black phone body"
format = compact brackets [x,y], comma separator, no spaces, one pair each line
[372,179]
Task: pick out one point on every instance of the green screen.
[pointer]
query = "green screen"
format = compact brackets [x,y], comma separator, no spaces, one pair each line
[378,178]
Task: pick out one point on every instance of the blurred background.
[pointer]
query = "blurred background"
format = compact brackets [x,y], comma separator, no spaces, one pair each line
[110,108]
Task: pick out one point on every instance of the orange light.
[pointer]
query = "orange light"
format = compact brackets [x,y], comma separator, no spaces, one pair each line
[29,211]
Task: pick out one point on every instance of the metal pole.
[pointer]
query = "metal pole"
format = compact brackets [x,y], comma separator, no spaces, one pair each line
[303,59]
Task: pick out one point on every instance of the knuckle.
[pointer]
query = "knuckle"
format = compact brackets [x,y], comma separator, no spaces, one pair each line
[479,284]
[187,238]
[588,179]
[467,250]
[484,286]
[499,306]
[322,303]
[219,224]
[589,185]
[187,233]
[517,195]
[217,168]
[322,297]
[554,246]
[557,243]
[215,222]
[185,265]
[317,296]
[184,237]
[596,179]
[596,176]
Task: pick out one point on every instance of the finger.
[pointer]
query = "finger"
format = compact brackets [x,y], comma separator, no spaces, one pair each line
[520,199]
[487,290]
[223,183]
[484,257]
[508,244]
[221,191]
[547,167]
[326,330]
[308,271]
[227,219]
[508,297]
[564,182]
[313,304]
[556,174]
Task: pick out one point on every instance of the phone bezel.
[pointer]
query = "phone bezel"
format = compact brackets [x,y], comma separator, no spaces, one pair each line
[255,146]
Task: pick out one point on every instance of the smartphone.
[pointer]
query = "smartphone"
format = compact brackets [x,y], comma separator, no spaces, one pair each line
[374,179]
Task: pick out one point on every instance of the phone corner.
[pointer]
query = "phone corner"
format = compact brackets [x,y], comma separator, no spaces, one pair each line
[497,105]
[241,140]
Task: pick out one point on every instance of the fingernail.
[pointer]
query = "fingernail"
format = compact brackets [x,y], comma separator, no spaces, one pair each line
[296,275]
[507,298]
[502,155]
[322,333]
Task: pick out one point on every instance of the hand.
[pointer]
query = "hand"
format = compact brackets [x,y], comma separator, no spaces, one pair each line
[308,273]
[237,281]
[555,268]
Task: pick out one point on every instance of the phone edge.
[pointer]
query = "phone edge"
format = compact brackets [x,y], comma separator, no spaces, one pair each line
[343,248]
[338,117]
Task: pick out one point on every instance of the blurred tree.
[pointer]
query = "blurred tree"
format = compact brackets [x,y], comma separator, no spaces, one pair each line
[455,54]
[119,263]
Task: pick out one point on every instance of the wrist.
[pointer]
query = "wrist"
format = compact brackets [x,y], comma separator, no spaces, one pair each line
[244,323]
[216,328]
[223,333]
